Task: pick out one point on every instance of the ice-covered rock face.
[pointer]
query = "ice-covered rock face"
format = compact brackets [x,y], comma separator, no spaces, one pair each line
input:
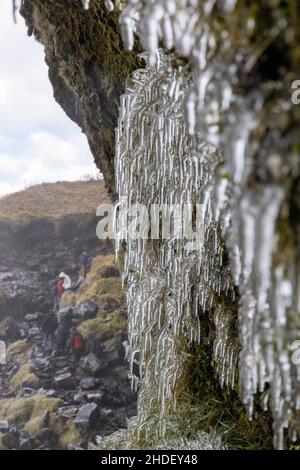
[167,283]
[185,137]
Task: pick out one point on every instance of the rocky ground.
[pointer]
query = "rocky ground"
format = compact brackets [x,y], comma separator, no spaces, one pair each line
[50,401]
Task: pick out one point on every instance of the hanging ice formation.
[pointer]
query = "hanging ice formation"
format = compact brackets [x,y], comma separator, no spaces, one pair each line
[183,138]
[157,163]
[86,4]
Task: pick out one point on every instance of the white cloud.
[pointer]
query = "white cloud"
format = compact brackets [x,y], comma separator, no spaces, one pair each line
[3,93]
[38,142]
[8,166]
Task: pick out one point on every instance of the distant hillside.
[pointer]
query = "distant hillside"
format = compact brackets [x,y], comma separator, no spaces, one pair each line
[53,201]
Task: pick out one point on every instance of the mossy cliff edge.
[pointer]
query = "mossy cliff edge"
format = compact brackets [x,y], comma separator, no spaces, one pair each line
[88,68]
[252,51]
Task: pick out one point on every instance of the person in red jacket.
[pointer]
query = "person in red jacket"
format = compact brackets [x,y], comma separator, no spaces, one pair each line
[59,290]
[76,344]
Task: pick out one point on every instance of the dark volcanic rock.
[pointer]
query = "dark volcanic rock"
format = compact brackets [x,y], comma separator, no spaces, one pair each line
[46,437]
[65,381]
[111,356]
[88,383]
[26,444]
[4,425]
[85,311]
[91,364]
[88,415]
[10,440]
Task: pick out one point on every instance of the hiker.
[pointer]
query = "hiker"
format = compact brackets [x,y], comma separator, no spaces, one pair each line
[76,344]
[59,290]
[83,263]
[62,334]
[49,326]
[67,283]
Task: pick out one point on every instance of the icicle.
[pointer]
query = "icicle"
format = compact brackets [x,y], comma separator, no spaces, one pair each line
[15,9]
[109,5]
[86,4]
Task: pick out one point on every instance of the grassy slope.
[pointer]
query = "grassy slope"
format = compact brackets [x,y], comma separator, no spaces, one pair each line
[53,201]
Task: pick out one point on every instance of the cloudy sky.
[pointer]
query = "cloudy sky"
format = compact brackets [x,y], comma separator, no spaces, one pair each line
[38,142]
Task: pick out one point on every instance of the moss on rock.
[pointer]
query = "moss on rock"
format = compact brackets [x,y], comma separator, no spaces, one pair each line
[28,412]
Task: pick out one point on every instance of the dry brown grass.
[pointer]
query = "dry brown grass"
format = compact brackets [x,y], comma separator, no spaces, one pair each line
[25,373]
[17,351]
[53,201]
[28,411]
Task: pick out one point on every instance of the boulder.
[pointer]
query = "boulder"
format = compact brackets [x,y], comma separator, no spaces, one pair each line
[4,425]
[34,331]
[96,397]
[65,381]
[67,411]
[85,311]
[31,317]
[65,316]
[25,444]
[87,415]
[10,440]
[46,437]
[80,397]
[111,356]
[91,364]
[88,383]
[27,392]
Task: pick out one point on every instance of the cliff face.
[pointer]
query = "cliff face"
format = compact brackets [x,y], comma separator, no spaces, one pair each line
[211,124]
[88,68]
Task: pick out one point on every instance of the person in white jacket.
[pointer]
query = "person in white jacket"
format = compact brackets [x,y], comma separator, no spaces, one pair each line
[67,281]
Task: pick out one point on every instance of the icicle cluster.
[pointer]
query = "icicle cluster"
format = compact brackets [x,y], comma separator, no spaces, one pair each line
[200,441]
[165,157]
[158,161]
[225,348]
